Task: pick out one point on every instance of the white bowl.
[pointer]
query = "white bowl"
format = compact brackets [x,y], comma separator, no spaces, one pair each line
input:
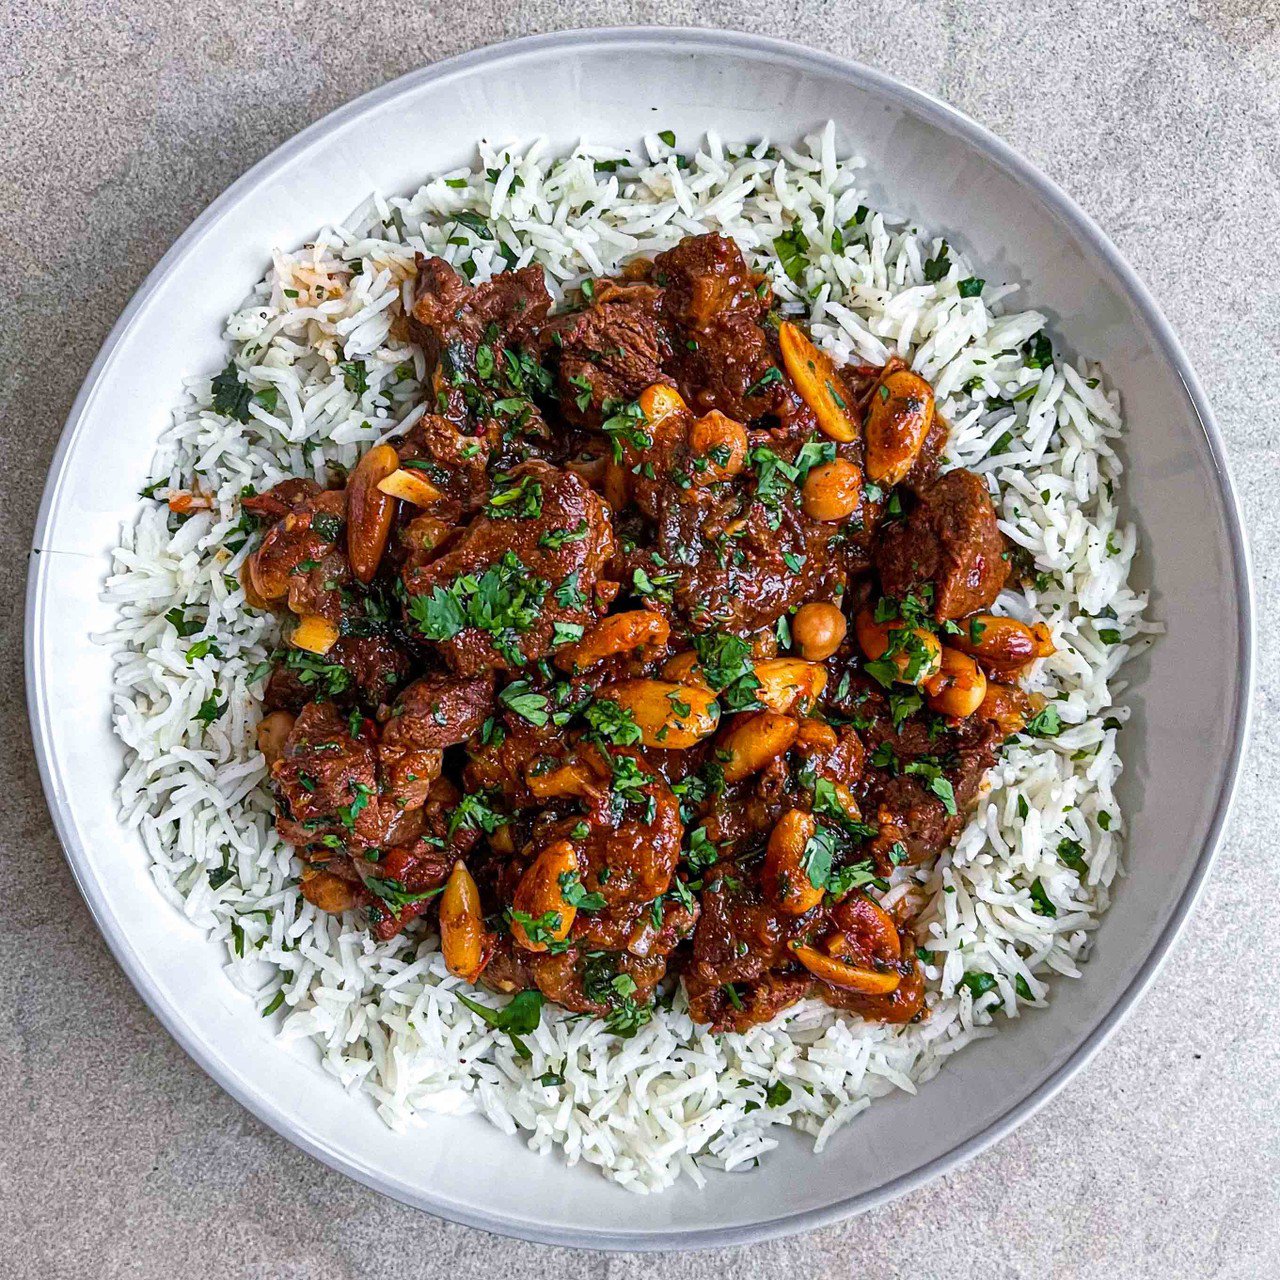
[1182,748]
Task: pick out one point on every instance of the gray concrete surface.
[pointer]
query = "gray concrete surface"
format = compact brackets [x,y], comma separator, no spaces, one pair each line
[119,123]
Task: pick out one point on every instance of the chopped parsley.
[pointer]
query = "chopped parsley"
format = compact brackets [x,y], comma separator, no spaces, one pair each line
[554,539]
[203,648]
[355,376]
[524,702]
[515,499]
[211,708]
[777,1094]
[504,601]
[1046,723]
[474,813]
[791,248]
[231,396]
[474,223]
[178,620]
[519,1017]
[323,679]
[1071,853]
[612,723]
[361,794]
[395,895]
[771,375]
[1037,351]
[1040,901]
[936,268]
[626,425]
[575,893]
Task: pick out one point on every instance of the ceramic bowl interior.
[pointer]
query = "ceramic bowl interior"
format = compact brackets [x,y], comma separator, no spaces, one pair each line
[926,162]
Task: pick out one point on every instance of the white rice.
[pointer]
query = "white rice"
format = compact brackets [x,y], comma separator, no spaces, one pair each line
[384,1017]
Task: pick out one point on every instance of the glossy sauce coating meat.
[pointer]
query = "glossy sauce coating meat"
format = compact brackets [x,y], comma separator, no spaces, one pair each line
[645,679]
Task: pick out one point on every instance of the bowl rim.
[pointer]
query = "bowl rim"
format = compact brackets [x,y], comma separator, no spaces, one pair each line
[677,40]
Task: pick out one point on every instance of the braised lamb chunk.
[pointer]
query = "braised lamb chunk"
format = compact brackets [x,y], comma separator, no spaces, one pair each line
[949,543]
[301,552]
[402,883]
[521,578]
[439,710]
[632,844]
[327,780]
[375,664]
[455,462]
[741,972]
[607,354]
[736,554]
[451,318]
[370,668]
[722,358]
[480,342]
[921,771]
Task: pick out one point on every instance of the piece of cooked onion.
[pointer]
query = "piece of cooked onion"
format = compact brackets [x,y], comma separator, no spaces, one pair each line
[314,634]
[410,486]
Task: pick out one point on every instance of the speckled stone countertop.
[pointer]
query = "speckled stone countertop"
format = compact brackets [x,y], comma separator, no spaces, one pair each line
[121,121]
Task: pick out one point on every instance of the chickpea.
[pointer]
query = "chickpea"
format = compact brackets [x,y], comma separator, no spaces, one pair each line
[917,655]
[719,448]
[832,491]
[273,730]
[661,401]
[958,688]
[329,893]
[818,630]
[1008,708]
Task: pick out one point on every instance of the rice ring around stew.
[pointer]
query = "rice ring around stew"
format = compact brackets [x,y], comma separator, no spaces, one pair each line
[323,375]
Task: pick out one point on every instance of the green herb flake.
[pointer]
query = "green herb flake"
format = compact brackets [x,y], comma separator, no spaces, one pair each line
[1071,853]
[936,268]
[211,709]
[231,396]
[791,248]
[778,1094]
[1040,901]
[528,705]
[520,1017]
